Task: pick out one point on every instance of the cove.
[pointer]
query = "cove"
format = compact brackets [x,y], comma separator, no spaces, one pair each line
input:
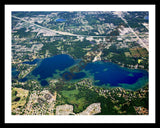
[32,62]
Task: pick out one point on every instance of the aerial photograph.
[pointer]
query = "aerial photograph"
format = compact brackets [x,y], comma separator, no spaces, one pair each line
[80,63]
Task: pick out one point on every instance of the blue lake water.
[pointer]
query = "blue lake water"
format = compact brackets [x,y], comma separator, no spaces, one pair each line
[50,65]
[60,20]
[116,76]
[32,62]
[104,73]
[67,76]
[15,73]
[146,17]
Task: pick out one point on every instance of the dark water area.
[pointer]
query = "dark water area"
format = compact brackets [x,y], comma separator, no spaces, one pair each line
[116,76]
[67,76]
[92,42]
[17,99]
[23,79]
[49,66]
[32,62]
[44,83]
[15,73]
[103,73]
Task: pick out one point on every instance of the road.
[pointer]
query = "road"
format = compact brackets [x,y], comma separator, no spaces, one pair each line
[59,32]
[71,34]
[140,40]
[51,30]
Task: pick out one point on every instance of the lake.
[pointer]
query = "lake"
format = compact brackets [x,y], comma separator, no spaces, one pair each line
[50,66]
[107,73]
[104,74]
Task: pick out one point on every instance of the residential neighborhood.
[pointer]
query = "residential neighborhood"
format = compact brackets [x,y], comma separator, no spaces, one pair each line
[80,62]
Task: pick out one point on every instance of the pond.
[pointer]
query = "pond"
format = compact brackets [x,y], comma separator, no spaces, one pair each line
[60,20]
[146,17]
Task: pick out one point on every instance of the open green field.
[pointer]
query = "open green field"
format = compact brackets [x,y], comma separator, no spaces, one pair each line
[134,52]
[72,98]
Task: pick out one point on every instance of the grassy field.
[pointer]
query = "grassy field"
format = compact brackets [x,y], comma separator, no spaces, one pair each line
[134,52]
[143,52]
[19,97]
[138,52]
[127,54]
[71,97]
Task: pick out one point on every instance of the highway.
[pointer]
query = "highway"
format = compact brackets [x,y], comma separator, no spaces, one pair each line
[51,30]
[71,34]
[59,32]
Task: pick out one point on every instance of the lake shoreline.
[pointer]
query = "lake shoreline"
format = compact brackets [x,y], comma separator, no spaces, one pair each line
[78,75]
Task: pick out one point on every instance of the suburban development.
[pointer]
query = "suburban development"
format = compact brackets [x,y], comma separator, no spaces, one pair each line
[80,63]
